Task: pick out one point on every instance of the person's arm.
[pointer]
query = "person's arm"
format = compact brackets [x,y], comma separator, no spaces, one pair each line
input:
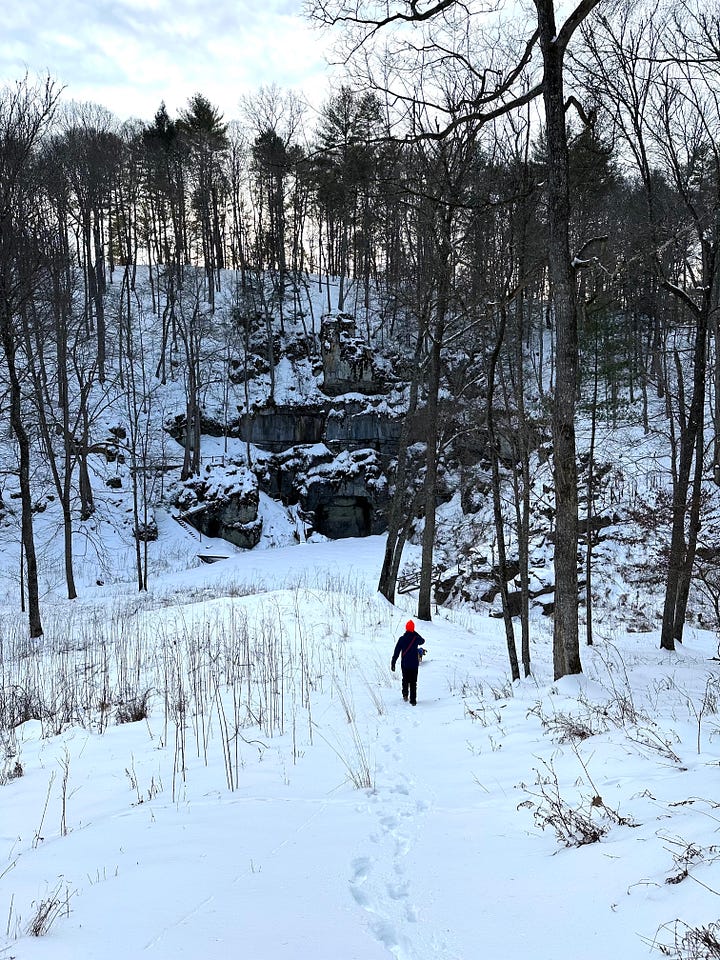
[396,654]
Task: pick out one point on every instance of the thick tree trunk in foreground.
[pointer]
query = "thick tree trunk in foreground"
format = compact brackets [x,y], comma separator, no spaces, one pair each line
[566,648]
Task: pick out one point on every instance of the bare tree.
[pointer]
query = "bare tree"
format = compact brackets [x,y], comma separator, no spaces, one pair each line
[26,111]
[140,401]
[89,152]
[426,37]
[662,74]
[274,118]
[191,320]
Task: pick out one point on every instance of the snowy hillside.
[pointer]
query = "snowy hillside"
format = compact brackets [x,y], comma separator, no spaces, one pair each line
[270,795]
[224,765]
[631,498]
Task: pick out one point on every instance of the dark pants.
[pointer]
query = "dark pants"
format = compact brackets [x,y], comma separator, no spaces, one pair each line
[409,684]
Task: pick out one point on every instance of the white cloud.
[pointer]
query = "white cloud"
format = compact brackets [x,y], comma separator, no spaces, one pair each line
[130,55]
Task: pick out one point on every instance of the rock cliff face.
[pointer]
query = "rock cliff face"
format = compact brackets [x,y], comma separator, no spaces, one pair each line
[329,456]
[355,425]
[223,502]
[279,428]
[346,496]
[349,364]
[345,424]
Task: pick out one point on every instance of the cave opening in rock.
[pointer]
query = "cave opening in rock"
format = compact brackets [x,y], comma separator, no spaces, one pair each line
[344,517]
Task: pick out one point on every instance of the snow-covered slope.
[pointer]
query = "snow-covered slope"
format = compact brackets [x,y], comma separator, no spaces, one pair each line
[299,808]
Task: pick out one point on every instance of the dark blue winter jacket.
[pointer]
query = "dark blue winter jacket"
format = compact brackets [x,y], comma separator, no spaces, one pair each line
[407,649]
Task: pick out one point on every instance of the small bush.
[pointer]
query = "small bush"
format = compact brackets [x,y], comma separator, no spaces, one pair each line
[691,943]
[11,770]
[575,825]
[567,728]
[47,911]
[18,705]
[15,771]
[133,708]
[572,825]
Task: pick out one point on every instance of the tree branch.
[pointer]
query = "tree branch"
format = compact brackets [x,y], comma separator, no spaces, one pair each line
[579,14]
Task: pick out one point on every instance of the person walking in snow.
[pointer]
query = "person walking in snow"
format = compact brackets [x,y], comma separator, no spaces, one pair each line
[407,649]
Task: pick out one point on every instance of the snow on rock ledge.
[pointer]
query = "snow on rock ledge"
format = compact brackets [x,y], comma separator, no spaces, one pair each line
[223,502]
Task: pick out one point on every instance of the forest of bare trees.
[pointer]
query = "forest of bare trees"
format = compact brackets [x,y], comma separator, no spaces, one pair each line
[526,210]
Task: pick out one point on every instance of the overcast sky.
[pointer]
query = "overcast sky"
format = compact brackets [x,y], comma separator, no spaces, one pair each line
[128,55]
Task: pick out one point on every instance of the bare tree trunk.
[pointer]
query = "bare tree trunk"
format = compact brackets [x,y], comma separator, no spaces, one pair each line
[566,649]
[98,274]
[23,439]
[497,503]
[681,554]
[685,579]
[715,339]
[590,491]
[522,477]
[431,469]
[43,403]
[400,514]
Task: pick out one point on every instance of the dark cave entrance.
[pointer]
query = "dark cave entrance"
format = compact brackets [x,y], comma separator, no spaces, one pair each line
[344,517]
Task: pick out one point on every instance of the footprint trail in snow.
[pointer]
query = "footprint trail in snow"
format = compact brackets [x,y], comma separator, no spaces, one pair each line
[380,881]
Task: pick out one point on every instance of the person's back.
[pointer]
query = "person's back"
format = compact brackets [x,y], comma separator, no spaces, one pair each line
[407,649]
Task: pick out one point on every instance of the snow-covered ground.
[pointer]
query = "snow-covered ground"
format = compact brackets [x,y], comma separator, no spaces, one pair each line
[280,800]
[224,766]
